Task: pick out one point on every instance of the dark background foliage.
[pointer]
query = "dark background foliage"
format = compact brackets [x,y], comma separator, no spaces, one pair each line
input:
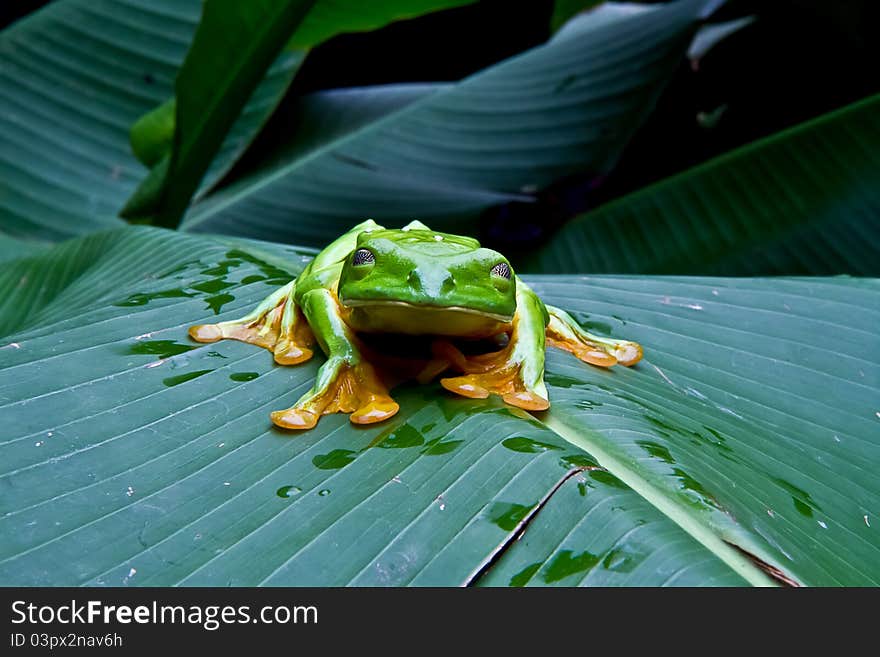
[800,59]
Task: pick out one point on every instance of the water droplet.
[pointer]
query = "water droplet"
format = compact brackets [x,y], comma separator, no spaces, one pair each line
[288,491]
[527,445]
[438,446]
[578,461]
[244,376]
[622,561]
[324,492]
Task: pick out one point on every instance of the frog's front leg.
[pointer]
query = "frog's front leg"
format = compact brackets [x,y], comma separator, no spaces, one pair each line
[277,324]
[346,382]
[564,332]
[517,371]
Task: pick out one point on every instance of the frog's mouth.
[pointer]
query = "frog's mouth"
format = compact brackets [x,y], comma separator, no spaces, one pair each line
[382,315]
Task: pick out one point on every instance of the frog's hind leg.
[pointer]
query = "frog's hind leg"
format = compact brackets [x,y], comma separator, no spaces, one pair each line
[346,382]
[563,332]
[276,324]
[517,371]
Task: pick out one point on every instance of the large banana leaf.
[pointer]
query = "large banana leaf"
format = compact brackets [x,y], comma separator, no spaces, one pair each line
[565,107]
[74,76]
[804,201]
[231,51]
[741,450]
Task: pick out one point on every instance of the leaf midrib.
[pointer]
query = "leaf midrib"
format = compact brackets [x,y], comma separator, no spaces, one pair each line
[734,559]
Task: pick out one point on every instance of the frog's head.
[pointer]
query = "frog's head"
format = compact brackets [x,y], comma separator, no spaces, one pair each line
[424,282]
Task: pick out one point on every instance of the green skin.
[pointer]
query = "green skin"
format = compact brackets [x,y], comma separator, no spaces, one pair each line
[413,281]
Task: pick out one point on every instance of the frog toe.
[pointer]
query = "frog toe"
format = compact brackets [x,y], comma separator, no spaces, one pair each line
[290,353]
[526,400]
[506,381]
[295,418]
[375,410]
[466,386]
[206,333]
[354,389]
[628,353]
[563,332]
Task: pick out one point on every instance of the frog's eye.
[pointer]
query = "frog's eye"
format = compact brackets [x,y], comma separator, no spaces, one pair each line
[502,269]
[363,257]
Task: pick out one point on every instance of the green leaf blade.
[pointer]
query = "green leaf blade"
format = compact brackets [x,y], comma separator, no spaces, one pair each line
[747,411]
[74,77]
[139,457]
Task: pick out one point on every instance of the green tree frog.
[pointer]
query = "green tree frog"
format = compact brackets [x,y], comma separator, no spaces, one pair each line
[411,281]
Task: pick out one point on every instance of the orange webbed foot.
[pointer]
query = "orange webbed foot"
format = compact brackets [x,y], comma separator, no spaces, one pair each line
[487,374]
[354,389]
[563,332]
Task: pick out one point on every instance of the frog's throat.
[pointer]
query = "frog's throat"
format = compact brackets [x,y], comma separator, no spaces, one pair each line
[387,316]
[384,303]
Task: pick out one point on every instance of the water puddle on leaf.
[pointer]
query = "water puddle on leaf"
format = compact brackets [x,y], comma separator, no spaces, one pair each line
[335,460]
[212,286]
[527,445]
[656,450]
[508,515]
[605,477]
[578,461]
[270,271]
[183,378]
[244,376]
[522,577]
[801,499]
[438,446]
[567,563]
[620,560]
[160,348]
[217,302]
[143,298]
[400,437]
[222,268]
